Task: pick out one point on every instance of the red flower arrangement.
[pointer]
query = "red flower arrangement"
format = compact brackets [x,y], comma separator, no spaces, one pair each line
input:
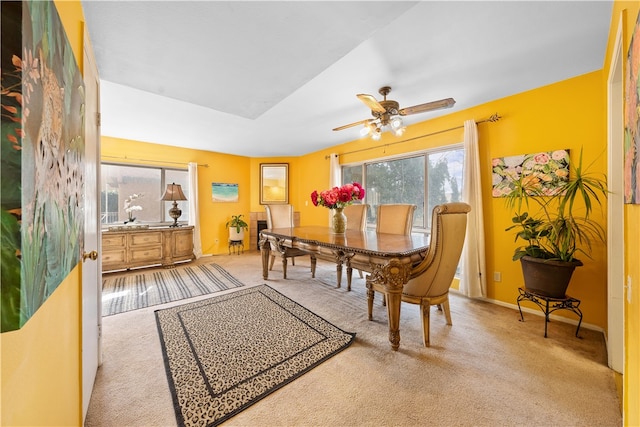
[338,197]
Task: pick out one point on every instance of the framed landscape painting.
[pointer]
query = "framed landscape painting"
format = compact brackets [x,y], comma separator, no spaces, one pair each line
[221,192]
[274,183]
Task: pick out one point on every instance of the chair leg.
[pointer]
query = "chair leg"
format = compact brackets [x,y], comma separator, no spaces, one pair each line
[273,259]
[360,272]
[384,300]
[425,308]
[447,310]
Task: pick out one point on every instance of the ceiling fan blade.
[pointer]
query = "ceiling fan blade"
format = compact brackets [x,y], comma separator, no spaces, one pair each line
[429,106]
[361,122]
[371,102]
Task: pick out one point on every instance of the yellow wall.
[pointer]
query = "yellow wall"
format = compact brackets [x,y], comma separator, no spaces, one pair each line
[221,168]
[627,13]
[41,369]
[567,114]
[41,377]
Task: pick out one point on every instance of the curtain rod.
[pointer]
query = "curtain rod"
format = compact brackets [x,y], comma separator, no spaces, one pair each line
[493,118]
[153,161]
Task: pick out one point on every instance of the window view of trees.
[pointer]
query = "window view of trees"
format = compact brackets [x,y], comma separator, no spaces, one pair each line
[434,176]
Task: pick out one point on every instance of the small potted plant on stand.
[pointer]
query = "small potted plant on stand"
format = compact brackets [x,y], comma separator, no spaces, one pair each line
[559,230]
[237,227]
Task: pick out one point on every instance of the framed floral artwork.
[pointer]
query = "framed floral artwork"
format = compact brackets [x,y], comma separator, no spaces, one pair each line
[546,171]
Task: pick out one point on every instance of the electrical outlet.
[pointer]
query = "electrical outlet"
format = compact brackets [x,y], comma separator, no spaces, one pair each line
[497,276]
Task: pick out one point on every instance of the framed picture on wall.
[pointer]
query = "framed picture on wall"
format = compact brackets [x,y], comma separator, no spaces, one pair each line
[274,183]
[222,192]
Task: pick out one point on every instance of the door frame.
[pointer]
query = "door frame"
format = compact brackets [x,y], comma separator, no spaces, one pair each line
[615,206]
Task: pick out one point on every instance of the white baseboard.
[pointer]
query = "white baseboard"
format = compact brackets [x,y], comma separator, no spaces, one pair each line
[539,313]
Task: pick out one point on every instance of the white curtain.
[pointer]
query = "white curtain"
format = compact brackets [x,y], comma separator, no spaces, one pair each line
[335,176]
[194,213]
[335,173]
[474,274]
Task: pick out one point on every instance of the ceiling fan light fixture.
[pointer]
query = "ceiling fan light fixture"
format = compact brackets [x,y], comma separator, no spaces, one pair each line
[387,114]
[399,131]
[396,122]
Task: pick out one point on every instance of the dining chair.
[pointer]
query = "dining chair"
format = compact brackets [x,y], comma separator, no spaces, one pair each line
[434,275]
[392,219]
[395,218]
[356,220]
[281,216]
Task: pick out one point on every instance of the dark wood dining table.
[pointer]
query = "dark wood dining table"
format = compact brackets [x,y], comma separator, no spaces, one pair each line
[389,258]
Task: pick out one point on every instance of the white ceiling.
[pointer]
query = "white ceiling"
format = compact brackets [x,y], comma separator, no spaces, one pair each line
[273,78]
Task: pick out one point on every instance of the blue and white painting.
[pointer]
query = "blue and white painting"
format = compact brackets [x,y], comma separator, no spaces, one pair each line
[221,192]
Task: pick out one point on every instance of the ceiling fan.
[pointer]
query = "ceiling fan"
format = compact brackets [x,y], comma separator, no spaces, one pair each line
[387,113]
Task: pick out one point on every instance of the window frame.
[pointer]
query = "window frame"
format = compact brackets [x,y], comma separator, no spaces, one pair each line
[425,226]
[165,220]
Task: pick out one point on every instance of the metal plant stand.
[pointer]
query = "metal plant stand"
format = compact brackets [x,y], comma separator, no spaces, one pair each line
[236,246]
[548,305]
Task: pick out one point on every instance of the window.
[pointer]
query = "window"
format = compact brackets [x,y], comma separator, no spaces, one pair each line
[118,182]
[434,176]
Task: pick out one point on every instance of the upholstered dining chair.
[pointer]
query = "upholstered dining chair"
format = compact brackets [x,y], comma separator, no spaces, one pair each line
[391,219]
[281,216]
[433,276]
[356,220]
[395,218]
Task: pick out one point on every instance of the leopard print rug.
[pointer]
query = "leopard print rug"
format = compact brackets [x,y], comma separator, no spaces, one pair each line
[225,353]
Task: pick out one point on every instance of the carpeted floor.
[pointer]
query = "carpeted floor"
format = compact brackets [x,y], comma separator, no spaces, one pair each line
[225,353]
[487,369]
[146,288]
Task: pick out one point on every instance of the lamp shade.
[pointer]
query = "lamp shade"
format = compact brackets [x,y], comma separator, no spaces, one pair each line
[173,192]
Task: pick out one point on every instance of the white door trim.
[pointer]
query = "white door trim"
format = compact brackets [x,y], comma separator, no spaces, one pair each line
[615,206]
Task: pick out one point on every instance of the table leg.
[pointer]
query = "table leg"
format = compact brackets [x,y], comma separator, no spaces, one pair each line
[339,273]
[265,251]
[394,299]
[390,278]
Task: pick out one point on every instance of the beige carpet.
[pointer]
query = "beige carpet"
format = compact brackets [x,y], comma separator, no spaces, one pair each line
[487,369]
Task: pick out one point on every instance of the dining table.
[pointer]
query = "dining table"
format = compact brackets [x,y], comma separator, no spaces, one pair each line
[390,259]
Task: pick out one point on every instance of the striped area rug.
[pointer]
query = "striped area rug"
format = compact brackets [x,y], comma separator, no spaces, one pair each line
[135,291]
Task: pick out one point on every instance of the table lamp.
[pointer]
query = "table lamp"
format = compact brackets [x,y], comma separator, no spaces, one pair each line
[174,193]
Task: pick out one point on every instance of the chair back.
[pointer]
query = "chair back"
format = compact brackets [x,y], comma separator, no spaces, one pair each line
[279,216]
[356,216]
[395,218]
[435,273]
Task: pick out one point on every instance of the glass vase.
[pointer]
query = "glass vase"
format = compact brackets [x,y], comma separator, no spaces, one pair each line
[339,221]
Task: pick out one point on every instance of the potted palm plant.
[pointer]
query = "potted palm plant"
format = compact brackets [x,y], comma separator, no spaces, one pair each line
[237,227]
[559,229]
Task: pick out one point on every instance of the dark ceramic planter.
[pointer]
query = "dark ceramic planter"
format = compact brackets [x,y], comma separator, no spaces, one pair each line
[547,277]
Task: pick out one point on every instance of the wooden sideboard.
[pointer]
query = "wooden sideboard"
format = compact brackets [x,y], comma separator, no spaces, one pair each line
[125,249]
